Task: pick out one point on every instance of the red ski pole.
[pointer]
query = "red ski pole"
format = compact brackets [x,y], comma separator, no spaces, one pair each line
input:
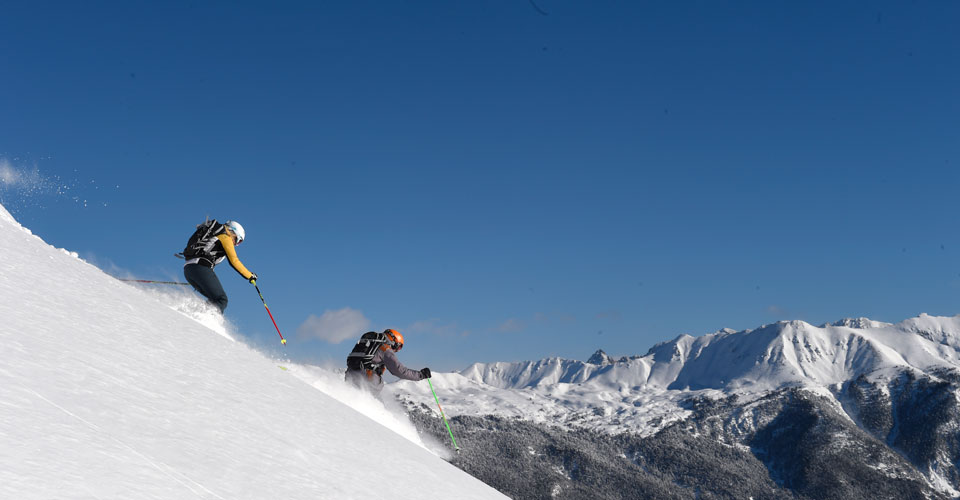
[282,340]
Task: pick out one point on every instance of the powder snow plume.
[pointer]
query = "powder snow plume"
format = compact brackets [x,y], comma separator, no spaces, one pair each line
[25,186]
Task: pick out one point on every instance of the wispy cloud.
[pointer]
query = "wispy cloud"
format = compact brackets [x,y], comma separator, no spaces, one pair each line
[334,326]
[554,317]
[777,311]
[438,327]
[512,325]
[612,315]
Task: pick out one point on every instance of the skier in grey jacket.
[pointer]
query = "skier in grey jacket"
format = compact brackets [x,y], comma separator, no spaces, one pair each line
[373,354]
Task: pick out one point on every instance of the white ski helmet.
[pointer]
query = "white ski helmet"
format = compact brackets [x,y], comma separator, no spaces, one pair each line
[237,229]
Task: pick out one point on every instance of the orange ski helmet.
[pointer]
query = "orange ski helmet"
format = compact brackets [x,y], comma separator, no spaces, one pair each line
[395,337]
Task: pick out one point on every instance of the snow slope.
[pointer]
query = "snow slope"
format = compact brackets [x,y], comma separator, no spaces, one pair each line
[641,393]
[107,392]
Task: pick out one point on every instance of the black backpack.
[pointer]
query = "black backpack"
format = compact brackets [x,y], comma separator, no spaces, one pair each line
[201,242]
[361,358]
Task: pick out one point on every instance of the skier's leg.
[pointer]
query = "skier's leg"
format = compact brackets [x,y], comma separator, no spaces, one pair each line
[205,281]
[190,274]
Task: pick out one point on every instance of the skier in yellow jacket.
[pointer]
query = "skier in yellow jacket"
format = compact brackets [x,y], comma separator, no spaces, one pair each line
[209,245]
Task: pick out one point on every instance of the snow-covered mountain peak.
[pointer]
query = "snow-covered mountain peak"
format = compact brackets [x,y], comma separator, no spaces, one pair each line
[672,348]
[747,363]
[858,323]
[600,358]
[926,324]
[786,353]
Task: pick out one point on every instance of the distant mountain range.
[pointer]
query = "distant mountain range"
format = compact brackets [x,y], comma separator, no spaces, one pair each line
[876,400]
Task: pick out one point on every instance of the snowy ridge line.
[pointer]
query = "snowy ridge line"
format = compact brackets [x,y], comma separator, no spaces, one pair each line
[640,394]
[772,356]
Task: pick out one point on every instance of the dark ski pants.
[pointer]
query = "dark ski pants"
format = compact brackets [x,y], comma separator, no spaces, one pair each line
[205,281]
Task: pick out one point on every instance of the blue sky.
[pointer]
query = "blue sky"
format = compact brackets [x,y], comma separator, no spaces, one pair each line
[500,180]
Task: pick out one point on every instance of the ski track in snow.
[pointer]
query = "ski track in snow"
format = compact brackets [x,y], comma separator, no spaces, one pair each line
[163,468]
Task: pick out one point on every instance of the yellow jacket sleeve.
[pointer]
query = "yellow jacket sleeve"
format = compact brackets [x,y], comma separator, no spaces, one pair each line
[227,243]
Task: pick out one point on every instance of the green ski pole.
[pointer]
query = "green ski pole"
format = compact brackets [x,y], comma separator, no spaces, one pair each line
[444,416]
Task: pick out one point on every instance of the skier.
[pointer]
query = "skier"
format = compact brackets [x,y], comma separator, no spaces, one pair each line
[374,353]
[210,244]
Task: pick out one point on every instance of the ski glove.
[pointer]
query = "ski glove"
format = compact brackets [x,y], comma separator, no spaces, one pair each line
[425,372]
[253,279]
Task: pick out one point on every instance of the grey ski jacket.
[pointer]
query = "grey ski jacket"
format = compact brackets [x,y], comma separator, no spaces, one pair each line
[373,381]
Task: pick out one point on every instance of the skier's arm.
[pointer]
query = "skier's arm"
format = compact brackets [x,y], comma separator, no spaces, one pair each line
[227,243]
[394,366]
